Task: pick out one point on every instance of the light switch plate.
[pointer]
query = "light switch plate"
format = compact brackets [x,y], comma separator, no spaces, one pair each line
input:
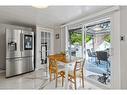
[122,38]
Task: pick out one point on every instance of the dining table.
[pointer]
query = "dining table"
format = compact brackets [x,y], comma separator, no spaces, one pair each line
[66,63]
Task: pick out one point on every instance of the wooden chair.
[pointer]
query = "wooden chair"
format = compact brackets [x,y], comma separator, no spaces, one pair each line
[54,69]
[77,72]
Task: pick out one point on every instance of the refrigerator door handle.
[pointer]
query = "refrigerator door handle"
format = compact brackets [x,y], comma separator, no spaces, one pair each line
[21,42]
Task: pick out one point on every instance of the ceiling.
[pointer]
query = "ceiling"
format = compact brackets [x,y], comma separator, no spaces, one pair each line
[47,17]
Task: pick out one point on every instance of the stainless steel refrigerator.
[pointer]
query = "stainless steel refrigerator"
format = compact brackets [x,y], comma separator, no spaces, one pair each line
[19,51]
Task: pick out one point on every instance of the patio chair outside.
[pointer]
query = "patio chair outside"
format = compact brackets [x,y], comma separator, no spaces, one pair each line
[91,55]
[103,56]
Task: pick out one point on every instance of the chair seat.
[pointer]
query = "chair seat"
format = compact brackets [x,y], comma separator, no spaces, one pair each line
[53,70]
[61,68]
[71,74]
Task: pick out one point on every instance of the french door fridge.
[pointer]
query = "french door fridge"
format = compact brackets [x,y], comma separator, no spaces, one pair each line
[19,51]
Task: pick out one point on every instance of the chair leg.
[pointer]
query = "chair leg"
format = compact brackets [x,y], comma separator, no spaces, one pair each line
[82,80]
[62,81]
[75,84]
[56,80]
[54,76]
[99,61]
[50,76]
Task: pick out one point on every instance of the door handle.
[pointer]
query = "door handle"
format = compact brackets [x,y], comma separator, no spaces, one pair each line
[21,42]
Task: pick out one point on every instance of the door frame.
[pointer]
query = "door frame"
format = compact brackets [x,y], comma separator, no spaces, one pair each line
[38,44]
[115,43]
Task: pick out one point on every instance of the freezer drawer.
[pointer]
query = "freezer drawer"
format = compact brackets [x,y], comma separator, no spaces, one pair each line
[18,66]
[31,63]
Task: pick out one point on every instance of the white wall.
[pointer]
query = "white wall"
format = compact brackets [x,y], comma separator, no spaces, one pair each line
[123,47]
[57,42]
[63,40]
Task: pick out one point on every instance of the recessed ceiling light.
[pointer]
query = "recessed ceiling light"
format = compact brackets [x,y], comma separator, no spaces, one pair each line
[40,6]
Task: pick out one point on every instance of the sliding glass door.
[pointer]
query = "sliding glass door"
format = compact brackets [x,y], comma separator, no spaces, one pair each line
[98,52]
[93,42]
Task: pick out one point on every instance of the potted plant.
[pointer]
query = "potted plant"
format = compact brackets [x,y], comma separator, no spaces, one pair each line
[62,52]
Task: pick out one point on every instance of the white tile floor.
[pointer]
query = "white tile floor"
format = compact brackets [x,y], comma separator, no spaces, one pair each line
[51,85]
[31,80]
[36,80]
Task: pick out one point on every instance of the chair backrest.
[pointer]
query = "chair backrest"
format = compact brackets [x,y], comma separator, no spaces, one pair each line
[53,64]
[79,65]
[89,53]
[92,49]
[102,55]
